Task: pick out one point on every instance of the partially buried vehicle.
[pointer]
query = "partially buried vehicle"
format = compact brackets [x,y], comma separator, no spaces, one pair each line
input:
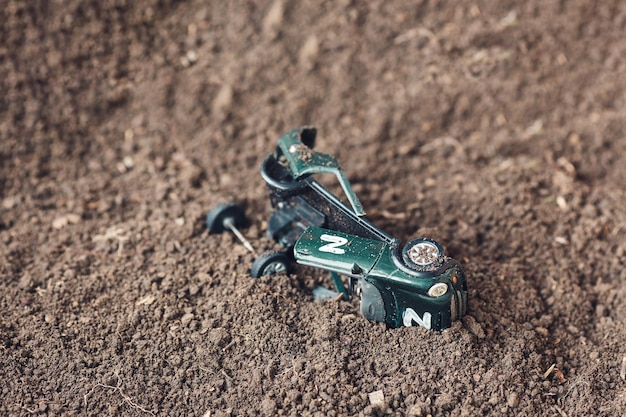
[412,285]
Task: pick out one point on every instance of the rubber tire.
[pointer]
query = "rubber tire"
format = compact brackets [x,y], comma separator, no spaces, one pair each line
[267,263]
[215,217]
[372,304]
[422,267]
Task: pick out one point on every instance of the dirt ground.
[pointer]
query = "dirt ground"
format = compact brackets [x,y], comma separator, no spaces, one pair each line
[497,127]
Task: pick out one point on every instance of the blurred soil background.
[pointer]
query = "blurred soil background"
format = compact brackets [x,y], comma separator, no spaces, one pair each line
[497,127]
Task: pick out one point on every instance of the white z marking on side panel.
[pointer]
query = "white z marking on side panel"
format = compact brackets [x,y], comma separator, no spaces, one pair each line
[411,316]
[333,246]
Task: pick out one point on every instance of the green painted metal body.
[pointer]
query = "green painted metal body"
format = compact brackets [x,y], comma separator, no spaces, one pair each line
[339,252]
[303,161]
[324,232]
[404,291]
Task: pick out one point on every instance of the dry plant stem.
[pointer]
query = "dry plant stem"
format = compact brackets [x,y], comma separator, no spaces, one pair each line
[117,388]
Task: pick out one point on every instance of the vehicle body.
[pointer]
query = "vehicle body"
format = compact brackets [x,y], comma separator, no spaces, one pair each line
[413,285]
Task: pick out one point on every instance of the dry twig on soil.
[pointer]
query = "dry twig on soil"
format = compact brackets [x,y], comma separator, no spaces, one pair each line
[117,388]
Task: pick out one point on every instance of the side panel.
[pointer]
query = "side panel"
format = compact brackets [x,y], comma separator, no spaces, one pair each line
[338,252]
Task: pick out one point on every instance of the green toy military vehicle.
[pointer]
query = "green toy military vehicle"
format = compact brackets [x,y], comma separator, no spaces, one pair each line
[413,285]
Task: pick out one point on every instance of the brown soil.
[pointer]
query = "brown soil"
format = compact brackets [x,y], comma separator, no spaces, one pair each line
[495,127]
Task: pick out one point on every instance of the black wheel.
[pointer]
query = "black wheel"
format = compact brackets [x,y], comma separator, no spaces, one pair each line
[372,303]
[270,263]
[218,214]
[423,254]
